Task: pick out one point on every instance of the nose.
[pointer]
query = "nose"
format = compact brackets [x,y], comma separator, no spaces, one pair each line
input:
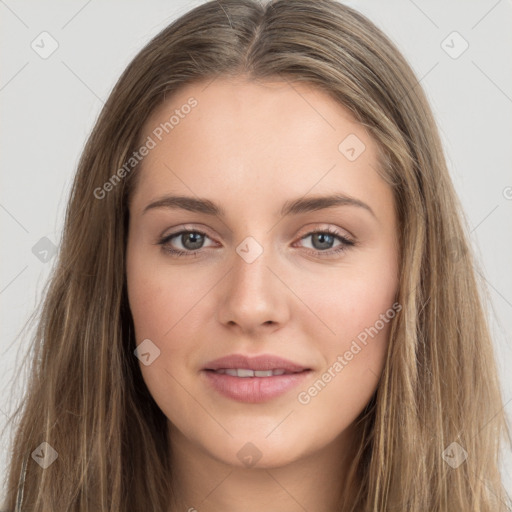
[254,297]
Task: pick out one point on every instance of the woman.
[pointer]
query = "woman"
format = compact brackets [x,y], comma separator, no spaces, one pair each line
[200,348]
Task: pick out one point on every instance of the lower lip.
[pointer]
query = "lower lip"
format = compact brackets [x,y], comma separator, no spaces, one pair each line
[254,389]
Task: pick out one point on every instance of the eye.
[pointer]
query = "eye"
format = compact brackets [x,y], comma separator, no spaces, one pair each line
[192,242]
[322,241]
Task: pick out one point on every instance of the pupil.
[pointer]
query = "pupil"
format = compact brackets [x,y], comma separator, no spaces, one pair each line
[322,237]
[195,244]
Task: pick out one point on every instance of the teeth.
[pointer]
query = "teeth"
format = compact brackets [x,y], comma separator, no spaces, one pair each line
[243,372]
[263,373]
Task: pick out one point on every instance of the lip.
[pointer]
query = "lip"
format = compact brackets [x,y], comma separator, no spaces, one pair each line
[254,389]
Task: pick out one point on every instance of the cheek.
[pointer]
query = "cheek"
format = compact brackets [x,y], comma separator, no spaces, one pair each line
[159,313]
[357,313]
[154,306]
[167,309]
[160,298]
[353,306]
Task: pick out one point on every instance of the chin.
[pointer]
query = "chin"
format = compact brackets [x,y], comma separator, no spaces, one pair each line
[256,451]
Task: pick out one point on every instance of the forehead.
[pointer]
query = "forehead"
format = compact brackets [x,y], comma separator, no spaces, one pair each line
[241,136]
[289,108]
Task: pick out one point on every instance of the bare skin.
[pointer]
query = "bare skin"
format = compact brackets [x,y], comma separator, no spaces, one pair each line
[249,148]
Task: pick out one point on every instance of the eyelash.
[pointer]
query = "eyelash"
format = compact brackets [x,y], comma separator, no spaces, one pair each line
[346,243]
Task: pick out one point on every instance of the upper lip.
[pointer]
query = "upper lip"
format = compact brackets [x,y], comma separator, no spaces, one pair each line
[261,362]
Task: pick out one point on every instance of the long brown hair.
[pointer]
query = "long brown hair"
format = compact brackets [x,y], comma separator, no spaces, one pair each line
[86,397]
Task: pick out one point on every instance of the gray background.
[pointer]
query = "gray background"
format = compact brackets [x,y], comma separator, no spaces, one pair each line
[48,106]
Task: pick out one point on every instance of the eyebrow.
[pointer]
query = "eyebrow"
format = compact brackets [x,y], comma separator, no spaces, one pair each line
[292,207]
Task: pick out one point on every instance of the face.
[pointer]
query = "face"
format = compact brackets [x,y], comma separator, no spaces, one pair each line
[256,265]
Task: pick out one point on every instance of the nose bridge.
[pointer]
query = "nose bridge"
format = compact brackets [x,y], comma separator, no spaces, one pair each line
[253,296]
[250,274]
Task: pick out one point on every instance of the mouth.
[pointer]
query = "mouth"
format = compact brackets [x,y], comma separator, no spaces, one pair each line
[253,380]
